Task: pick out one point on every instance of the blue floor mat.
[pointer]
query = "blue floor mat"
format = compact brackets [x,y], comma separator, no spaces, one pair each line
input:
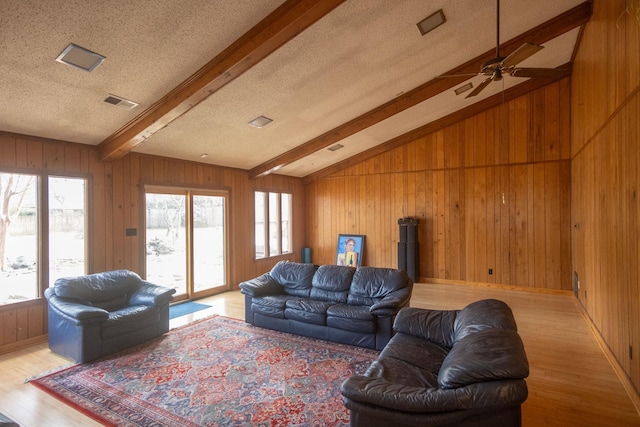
[185,308]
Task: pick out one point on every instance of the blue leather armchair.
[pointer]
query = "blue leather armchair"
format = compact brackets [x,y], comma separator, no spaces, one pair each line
[100,314]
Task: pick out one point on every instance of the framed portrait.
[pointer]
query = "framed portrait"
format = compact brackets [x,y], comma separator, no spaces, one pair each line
[350,250]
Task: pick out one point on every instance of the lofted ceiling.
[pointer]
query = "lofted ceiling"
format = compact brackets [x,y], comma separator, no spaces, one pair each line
[356,73]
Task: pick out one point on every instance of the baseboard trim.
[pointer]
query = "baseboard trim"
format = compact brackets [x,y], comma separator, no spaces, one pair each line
[8,348]
[494,285]
[631,390]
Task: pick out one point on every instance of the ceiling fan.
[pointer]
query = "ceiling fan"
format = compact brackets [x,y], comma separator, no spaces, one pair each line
[496,68]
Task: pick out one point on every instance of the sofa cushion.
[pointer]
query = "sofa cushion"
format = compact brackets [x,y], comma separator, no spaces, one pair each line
[416,351]
[481,315]
[331,283]
[98,287]
[356,318]
[370,284]
[397,371]
[307,310]
[432,325]
[127,320]
[295,278]
[488,355]
[270,305]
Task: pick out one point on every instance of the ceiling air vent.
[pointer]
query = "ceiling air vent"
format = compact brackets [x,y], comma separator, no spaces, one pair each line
[80,58]
[120,102]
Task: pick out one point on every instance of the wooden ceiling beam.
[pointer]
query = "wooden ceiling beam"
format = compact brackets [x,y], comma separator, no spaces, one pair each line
[549,30]
[282,25]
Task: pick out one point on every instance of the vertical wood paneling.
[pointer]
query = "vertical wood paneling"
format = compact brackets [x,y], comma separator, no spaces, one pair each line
[491,222]
[115,205]
[441,243]
[605,91]
[455,188]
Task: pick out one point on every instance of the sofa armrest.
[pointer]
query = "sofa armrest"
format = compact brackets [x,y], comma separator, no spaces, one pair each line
[379,392]
[76,311]
[261,286]
[434,325]
[152,295]
[391,303]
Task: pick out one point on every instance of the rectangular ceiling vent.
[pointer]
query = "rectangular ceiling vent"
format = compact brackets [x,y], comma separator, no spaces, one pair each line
[80,58]
[120,102]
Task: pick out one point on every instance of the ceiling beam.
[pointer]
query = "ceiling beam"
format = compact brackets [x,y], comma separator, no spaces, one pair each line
[282,25]
[436,125]
[549,30]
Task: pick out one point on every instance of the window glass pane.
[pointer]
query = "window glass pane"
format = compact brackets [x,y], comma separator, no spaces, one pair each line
[66,227]
[286,222]
[18,237]
[166,240]
[277,208]
[260,198]
[274,226]
[208,242]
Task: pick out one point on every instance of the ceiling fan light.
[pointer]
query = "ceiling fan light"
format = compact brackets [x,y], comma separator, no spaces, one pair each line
[431,22]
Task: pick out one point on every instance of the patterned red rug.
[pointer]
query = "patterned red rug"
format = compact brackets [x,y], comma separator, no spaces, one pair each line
[217,372]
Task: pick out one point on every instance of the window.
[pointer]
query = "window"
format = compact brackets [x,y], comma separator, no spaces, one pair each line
[186,240]
[42,233]
[273,214]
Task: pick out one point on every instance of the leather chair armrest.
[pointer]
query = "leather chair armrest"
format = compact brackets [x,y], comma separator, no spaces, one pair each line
[433,325]
[379,392]
[261,286]
[150,294]
[391,303]
[75,311]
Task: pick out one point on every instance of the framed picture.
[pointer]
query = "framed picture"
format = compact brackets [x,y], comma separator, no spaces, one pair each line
[350,250]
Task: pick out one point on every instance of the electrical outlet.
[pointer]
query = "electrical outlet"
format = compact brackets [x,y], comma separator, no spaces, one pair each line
[490,271]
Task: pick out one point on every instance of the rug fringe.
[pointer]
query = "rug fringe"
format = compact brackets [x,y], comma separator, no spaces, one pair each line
[49,372]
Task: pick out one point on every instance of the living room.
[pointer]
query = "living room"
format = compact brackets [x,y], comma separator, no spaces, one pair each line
[539,188]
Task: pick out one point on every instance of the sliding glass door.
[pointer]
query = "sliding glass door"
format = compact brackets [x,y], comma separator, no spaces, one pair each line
[209,242]
[186,240]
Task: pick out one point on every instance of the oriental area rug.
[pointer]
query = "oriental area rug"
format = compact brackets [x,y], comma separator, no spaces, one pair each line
[216,372]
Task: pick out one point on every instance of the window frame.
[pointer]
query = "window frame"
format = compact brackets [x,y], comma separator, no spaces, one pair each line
[268,231]
[43,238]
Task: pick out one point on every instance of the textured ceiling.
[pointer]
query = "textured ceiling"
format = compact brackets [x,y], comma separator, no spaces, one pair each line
[361,55]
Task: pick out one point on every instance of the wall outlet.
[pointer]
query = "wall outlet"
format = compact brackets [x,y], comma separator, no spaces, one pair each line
[490,271]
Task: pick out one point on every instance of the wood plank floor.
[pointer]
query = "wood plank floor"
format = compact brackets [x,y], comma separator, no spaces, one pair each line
[571,381]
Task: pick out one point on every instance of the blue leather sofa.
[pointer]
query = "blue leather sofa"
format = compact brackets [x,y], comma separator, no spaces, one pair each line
[348,305]
[100,314]
[462,368]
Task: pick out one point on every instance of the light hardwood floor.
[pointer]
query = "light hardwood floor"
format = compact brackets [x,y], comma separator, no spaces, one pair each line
[571,382]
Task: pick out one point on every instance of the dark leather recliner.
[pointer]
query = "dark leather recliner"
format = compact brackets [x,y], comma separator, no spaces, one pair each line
[100,314]
[444,368]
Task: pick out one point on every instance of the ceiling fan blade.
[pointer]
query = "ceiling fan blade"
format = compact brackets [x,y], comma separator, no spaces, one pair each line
[520,54]
[537,72]
[457,75]
[480,87]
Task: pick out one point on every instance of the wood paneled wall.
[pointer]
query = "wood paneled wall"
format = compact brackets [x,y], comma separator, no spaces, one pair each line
[490,192]
[605,179]
[115,192]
